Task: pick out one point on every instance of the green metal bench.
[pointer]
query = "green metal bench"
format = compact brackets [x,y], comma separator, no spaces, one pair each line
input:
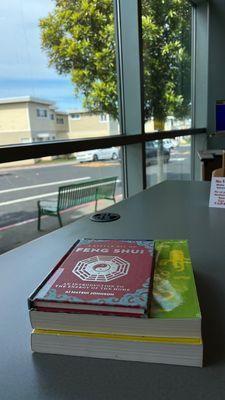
[76,194]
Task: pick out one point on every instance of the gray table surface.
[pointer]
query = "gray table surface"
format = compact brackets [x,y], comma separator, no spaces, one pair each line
[209,154]
[171,210]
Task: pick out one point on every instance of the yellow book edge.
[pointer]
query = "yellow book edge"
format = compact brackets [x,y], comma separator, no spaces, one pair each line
[115,336]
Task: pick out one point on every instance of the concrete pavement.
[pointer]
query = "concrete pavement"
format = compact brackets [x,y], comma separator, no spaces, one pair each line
[23,232]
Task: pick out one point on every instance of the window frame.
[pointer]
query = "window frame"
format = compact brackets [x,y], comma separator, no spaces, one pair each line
[40,111]
[60,120]
[17,152]
[103,118]
[77,118]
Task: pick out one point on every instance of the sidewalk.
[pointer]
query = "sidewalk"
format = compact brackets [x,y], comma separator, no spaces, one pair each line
[23,232]
[101,163]
[7,167]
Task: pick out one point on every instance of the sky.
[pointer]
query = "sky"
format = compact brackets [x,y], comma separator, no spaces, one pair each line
[24,67]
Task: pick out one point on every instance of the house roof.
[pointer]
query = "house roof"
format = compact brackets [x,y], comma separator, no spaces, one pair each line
[84,111]
[25,99]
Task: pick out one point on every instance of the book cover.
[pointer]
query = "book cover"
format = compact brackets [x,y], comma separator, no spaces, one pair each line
[100,276]
[174,290]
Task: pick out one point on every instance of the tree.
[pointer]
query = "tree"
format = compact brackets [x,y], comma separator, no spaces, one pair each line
[78,37]
[166,58]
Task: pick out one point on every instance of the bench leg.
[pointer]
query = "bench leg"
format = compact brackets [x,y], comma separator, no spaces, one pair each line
[60,220]
[96,204]
[39,219]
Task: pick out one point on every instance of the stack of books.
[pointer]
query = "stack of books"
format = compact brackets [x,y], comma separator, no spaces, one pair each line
[120,299]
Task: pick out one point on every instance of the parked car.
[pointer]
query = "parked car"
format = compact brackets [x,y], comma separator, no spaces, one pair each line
[151,151]
[111,153]
[169,144]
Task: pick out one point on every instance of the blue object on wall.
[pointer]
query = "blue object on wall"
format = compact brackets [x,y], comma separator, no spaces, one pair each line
[220,116]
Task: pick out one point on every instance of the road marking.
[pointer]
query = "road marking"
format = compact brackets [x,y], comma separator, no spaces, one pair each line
[44,185]
[177,159]
[39,196]
[4,228]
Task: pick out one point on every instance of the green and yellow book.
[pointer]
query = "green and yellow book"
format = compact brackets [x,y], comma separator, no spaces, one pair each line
[116,336]
[167,350]
[174,289]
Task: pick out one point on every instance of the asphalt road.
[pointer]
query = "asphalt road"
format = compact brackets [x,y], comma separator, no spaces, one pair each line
[21,188]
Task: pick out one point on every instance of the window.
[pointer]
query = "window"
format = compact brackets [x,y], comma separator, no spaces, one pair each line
[168,159]
[40,179]
[166,34]
[60,120]
[103,118]
[75,116]
[42,113]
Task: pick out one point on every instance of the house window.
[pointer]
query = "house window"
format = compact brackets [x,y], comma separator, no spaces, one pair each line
[103,118]
[52,117]
[42,113]
[60,120]
[75,116]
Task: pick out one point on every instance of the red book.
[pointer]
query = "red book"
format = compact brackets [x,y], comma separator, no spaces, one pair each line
[100,276]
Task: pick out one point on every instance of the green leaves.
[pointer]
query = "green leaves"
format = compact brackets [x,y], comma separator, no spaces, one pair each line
[78,37]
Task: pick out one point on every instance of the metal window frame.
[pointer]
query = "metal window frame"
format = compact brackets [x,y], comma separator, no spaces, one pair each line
[127,14]
[25,151]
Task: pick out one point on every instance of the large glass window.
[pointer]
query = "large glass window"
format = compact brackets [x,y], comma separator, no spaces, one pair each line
[168,159]
[57,82]
[25,183]
[166,32]
[63,59]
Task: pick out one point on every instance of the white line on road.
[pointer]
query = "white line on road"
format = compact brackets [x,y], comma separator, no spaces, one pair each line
[178,159]
[39,196]
[44,184]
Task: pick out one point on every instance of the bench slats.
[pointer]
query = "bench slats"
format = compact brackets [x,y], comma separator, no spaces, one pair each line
[77,194]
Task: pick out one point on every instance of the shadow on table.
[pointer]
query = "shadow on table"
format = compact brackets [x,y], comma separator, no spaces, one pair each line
[213,323]
[66,377]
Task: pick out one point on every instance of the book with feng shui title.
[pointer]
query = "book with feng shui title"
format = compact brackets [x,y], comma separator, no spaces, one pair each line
[112,277]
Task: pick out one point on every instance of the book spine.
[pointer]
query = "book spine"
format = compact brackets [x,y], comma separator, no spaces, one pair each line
[150,294]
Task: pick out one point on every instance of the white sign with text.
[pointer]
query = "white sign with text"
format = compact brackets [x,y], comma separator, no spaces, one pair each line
[217,192]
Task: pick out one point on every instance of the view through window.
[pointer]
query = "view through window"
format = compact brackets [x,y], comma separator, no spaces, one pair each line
[172,162]
[166,32]
[58,81]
